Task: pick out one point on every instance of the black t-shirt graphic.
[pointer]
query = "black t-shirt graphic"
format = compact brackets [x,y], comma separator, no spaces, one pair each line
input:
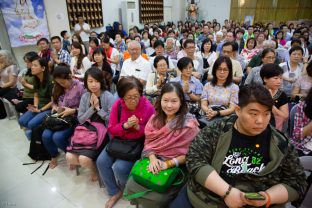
[246,154]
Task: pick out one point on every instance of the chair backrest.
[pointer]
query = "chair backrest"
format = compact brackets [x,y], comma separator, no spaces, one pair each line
[306,162]
[292,118]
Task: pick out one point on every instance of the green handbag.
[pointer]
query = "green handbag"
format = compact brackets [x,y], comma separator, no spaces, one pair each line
[154,182]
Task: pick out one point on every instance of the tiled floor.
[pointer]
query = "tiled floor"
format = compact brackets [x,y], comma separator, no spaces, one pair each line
[58,188]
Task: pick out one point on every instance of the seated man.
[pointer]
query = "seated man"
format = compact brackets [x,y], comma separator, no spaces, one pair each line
[228,50]
[136,65]
[242,154]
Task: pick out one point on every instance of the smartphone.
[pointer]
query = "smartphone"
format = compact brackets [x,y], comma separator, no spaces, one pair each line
[254,196]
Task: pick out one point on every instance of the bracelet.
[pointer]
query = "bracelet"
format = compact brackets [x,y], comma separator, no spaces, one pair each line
[227,192]
[176,162]
[268,203]
[169,163]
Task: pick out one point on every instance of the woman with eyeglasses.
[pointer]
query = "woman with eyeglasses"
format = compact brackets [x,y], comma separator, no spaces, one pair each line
[292,69]
[220,96]
[268,56]
[157,79]
[127,121]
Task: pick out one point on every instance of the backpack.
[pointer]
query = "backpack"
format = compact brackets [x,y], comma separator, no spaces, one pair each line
[37,151]
[89,135]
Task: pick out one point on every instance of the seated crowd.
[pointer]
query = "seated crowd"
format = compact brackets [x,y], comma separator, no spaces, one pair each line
[221,111]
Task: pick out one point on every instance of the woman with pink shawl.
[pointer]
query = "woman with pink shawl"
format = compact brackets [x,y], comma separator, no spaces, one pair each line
[168,134]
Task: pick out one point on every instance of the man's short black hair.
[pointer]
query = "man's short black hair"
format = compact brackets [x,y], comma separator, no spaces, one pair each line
[63,33]
[56,37]
[254,94]
[228,44]
[188,41]
[43,39]
[159,43]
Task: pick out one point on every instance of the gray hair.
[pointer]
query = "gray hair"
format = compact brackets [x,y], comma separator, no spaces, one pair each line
[268,43]
[134,43]
[8,58]
[170,39]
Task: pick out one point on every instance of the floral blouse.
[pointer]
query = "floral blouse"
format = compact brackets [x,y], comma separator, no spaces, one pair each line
[219,95]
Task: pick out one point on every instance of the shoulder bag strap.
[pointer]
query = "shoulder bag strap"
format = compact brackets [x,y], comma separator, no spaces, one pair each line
[119,112]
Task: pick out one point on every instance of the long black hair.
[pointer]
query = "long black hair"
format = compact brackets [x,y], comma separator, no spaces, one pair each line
[96,74]
[160,117]
[77,45]
[46,74]
[30,56]
[216,65]
[62,71]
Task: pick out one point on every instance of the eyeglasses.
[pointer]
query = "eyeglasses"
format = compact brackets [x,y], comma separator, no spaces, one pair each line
[222,69]
[134,97]
[162,66]
[270,57]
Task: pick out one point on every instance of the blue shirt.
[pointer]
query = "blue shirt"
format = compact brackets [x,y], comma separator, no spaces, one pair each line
[66,44]
[196,86]
[64,56]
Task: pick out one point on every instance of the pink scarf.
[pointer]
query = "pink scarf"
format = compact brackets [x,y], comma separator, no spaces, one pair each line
[167,143]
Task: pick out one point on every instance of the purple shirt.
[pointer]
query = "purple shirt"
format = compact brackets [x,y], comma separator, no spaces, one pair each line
[71,97]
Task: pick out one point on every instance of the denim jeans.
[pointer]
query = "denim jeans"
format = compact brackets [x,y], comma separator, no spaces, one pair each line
[181,200]
[52,140]
[31,120]
[113,172]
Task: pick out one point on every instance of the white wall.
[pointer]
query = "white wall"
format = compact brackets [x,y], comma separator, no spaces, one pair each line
[215,9]
[57,16]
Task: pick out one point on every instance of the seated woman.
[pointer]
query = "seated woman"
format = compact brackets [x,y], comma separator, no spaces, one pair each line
[303,83]
[66,98]
[79,63]
[157,79]
[268,56]
[112,53]
[99,56]
[250,51]
[43,87]
[76,38]
[242,154]
[220,96]
[27,81]
[168,135]
[192,87]
[271,75]
[292,69]
[95,105]
[301,136]
[8,78]
[129,124]
[94,44]
[170,48]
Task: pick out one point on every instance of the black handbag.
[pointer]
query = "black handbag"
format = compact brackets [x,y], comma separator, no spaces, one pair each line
[55,123]
[129,150]
[125,149]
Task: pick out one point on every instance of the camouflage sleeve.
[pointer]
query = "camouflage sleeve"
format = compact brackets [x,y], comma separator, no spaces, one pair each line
[200,154]
[292,175]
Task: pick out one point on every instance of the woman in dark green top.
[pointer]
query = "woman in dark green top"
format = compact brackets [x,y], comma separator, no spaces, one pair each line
[42,95]
[26,79]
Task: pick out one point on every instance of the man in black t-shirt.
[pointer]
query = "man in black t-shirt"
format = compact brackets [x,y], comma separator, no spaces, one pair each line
[239,154]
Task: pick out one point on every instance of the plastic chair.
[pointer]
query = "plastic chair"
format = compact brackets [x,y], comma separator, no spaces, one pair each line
[10,109]
[306,162]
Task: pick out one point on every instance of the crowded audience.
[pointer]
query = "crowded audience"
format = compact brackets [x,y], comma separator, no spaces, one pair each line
[164,99]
